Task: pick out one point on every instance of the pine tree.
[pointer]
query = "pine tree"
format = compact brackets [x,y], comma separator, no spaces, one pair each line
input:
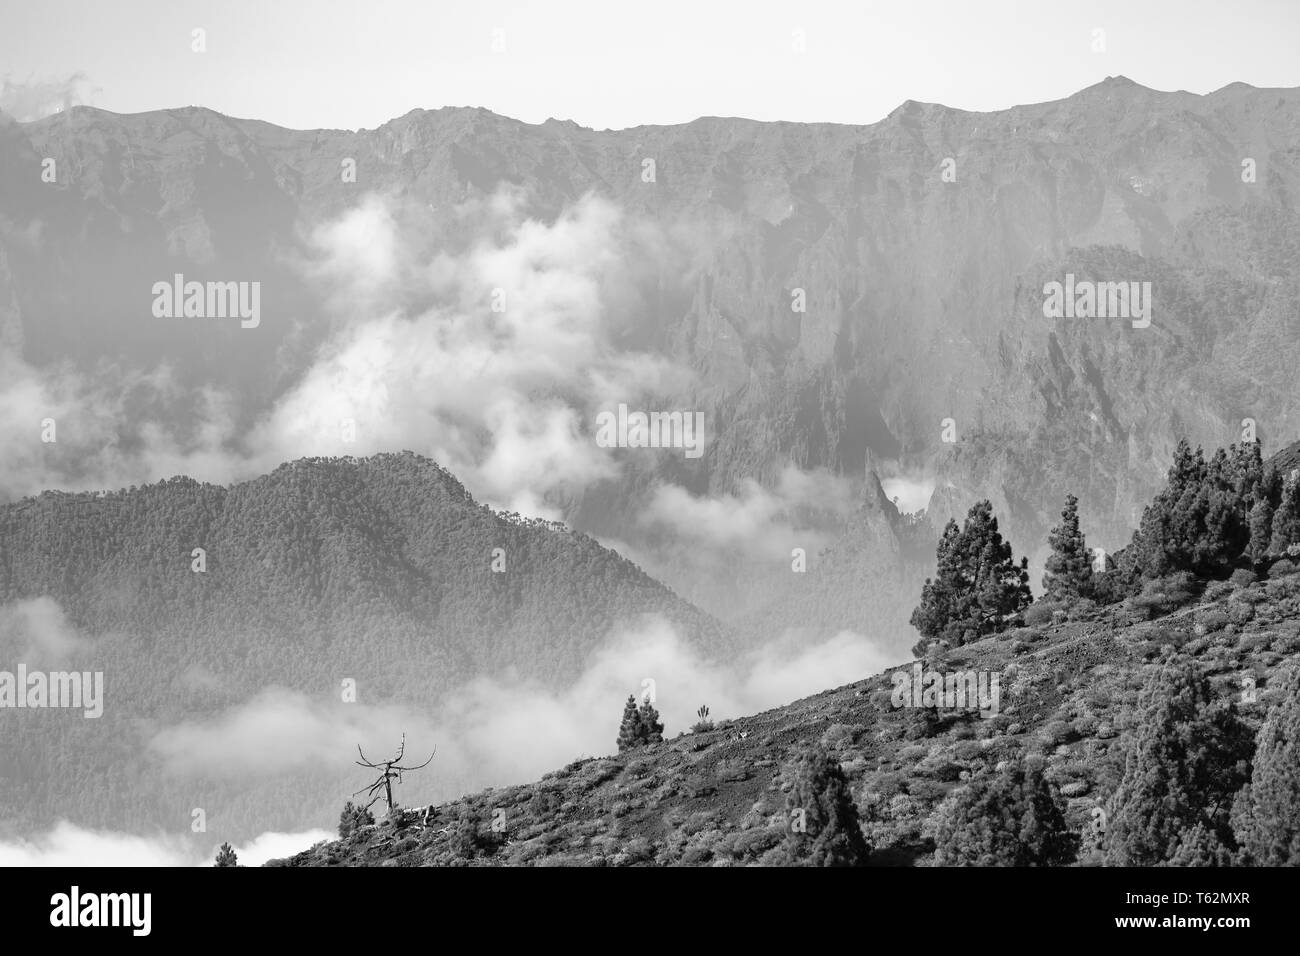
[629,730]
[1223,508]
[651,729]
[1068,574]
[1167,528]
[1268,817]
[1261,530]
[1209,514]
[1286,520]
[1012,819]
[823,827]
[977,586]
[1183,762]
[1201,846]
[946,598]
[1249,471]
[226,856]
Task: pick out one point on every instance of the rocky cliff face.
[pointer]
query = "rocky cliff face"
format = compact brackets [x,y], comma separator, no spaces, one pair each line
[919,248]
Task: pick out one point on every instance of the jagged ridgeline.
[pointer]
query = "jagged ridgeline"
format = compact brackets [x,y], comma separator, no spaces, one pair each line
[379,570]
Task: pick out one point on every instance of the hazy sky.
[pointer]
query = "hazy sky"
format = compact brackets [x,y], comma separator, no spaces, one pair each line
[339,63]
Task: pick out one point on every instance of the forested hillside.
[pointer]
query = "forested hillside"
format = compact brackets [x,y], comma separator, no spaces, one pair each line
[379,571]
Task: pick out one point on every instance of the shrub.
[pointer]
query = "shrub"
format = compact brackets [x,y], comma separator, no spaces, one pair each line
[1254,643]
[1057,732]
[837,735]
[1240,612]
[756,842]
[1012,819]
[353,818]
[1167,594]
[927,791]
[1086,726]
[1040,613]
[1201,846]
[703,725]
[1216,590]
[1215,619]
[1110,587]
[1174,637]
[1243,577]
[1267,812]
[823,828]
[1184,758]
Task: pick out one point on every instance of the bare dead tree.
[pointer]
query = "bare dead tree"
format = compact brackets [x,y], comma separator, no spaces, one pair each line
[389,770]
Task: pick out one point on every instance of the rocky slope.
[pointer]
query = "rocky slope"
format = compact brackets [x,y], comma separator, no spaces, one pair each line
[715,797]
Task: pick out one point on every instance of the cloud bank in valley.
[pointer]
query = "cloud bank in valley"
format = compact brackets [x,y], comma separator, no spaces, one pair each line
[67,844]
[488,342]
[495,731]
[766,522]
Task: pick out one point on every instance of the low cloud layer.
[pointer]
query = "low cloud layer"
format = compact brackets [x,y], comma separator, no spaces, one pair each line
[910,493]
[800,511]
[33,99]
[493,732]
[37,632]
[487,339]
[69,845]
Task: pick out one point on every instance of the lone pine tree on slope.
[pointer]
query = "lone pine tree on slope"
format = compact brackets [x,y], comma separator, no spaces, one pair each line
[823,829]
[639,726]
[977,585]
[1069,572]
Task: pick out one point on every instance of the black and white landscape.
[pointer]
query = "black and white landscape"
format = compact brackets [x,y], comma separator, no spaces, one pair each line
[920,489]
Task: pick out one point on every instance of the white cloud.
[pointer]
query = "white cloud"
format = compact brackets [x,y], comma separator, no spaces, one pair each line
[488,352]
[275,846]
[493,732]
[800,511]
[32,99]
[69,845]
[487,340]
[910,493]
[38,631]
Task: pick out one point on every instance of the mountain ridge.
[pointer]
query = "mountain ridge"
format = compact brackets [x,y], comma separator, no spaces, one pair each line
[197,601]
[923,299]
[1108,84]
